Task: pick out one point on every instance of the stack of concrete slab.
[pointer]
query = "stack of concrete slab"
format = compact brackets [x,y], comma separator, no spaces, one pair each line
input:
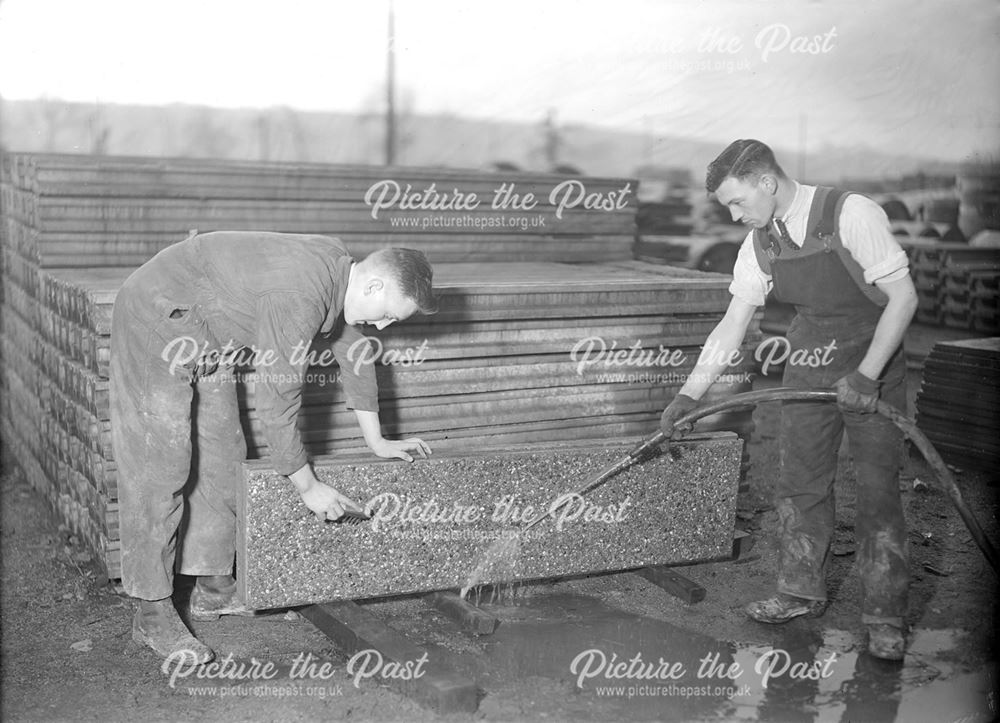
[56,411]
[957,284]
[958,405]
[77,211]
[49,404]
[520,352]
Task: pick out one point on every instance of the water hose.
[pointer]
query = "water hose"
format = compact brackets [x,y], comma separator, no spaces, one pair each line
[790,394]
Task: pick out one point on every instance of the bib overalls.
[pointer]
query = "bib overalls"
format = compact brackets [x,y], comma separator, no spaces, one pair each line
[824,284]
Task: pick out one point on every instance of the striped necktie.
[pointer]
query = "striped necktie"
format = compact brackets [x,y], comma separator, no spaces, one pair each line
[783,233]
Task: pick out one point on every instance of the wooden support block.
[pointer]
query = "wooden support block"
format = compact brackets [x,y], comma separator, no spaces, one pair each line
[677,585]
[742,544]
[355,629]
[468,616]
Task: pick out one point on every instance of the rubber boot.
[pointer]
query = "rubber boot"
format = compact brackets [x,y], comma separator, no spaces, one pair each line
[885,641]
[781,608]
[158,626]
[215,595]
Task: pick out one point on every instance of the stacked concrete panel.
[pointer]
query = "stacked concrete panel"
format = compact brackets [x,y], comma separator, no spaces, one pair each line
[957,285]
[526,352]
[54,338]
[521,351]
[78,211]
[958,405]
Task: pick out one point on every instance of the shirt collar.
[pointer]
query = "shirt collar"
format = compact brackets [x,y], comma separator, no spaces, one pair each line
[341,276]
[797,206]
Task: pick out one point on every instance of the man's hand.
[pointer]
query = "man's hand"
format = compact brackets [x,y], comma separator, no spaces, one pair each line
[857,393]
[401,448]
[326,502]
[681,405]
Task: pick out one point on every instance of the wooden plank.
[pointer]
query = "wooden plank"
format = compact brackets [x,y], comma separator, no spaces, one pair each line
[469,617]
[355,630]
[677,585]
[743,542]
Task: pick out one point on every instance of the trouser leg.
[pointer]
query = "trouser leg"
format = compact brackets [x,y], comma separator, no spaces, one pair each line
[880,527]
[810,437]
[151,438]
[209,533]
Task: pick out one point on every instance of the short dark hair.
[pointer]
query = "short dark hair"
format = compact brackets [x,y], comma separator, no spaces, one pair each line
[412,272]
[742,159]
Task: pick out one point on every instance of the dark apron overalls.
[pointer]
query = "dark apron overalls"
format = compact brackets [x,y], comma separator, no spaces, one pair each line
[831,307]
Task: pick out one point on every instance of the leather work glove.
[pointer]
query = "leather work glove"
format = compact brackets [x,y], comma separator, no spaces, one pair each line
[681,405]
[857,393]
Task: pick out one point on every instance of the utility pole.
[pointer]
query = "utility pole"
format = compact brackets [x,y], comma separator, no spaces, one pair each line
[263,137]
[390,92]
[551,139]
[649,141]
[2,110]
[802,147]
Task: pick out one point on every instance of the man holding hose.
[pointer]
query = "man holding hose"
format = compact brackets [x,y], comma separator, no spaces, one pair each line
[834,258]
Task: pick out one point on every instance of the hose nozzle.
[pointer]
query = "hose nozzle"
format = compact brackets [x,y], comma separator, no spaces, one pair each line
[647,445]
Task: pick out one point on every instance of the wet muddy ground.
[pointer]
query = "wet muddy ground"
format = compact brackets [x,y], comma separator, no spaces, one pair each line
[610,647]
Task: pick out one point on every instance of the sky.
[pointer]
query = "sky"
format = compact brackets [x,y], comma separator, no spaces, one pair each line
[906,76]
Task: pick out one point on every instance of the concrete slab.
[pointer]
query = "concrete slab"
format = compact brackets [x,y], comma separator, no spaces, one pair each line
[434,519]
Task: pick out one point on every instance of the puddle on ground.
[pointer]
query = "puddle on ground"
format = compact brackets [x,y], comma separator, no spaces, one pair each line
[857,687]
[604,663]
[600,662]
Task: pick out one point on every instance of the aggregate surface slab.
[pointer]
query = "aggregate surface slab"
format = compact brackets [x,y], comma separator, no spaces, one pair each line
[434,519]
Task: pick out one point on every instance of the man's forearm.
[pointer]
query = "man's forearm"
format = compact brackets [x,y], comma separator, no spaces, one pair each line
[371,427]
[303,478]
[889,332]
[721,348]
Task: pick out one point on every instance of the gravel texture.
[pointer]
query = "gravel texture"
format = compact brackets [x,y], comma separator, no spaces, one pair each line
[434,520]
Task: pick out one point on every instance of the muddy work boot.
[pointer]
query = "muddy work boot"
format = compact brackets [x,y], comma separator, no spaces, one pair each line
[886,641]
[215,595]
[781,608]
[158,626]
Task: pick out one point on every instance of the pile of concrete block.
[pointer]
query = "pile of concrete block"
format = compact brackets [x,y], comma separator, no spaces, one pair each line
[521,351]
[957,284]
[82,211]
[958,404]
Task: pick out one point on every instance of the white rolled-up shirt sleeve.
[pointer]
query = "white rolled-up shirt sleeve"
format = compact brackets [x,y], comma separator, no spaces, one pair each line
[866,233]
[750,284]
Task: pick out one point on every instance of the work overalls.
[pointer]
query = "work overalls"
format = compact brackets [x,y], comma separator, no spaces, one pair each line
[832,308]
[177,438]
